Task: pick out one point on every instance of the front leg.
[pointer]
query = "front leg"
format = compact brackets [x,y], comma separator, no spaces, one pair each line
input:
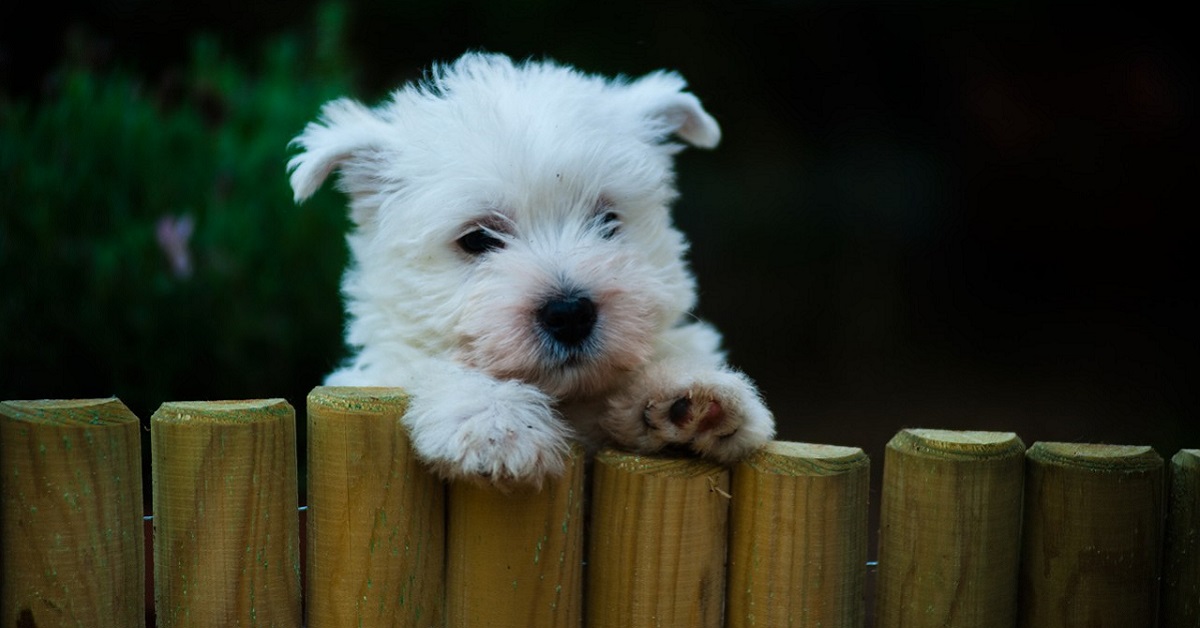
[691,398]
[469,426]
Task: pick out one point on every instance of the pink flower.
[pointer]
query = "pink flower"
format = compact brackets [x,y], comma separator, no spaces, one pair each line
[173,234]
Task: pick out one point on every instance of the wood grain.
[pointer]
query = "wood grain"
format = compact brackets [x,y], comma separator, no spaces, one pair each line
[226,534]
[798,537]
[376,516]
[950,524]
[1092,537]
[658,539]
[516,558]
[72,547]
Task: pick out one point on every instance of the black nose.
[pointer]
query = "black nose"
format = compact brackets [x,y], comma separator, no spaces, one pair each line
[568,319]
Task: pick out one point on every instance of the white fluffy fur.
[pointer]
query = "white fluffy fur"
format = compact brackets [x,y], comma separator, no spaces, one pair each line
[550,161]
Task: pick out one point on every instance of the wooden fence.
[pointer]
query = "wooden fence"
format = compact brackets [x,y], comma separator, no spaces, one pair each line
[975,530]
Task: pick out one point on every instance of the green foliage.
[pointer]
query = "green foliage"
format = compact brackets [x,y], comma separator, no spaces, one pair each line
[92,305]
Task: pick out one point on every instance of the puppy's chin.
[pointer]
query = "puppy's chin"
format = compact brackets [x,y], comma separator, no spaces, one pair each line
[562,374]
[583,376]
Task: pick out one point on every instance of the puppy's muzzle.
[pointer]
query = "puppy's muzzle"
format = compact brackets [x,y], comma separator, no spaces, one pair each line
[568,319]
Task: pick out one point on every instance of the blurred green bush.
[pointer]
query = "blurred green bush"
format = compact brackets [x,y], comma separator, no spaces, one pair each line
[149,245]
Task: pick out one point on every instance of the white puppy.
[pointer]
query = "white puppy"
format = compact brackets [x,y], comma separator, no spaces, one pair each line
[514,267]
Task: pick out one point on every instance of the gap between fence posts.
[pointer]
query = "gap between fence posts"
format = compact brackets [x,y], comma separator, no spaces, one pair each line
[1093,536]
[656,556]
[226,537]
[798,537]
[71,541]
[376,515]
[950,524]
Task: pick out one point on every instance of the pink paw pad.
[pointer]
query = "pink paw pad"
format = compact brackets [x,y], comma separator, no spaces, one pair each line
[706,412]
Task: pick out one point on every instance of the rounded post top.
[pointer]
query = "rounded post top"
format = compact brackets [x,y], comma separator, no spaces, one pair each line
[369,399]
[957,445]
[660,464]
[69,412]
[1096,457]
[793,459]
[1187,458]
[222,412]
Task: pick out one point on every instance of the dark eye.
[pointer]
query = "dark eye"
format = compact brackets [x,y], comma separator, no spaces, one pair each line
[479,241]
[610,223]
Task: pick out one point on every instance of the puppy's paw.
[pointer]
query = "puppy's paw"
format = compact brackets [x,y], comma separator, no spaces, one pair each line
[715,413]
[504,435]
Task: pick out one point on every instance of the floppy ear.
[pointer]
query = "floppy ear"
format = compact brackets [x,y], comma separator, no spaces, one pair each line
[345,133]
[667,109]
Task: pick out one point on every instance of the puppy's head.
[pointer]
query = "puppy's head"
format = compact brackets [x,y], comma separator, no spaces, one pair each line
[513,217]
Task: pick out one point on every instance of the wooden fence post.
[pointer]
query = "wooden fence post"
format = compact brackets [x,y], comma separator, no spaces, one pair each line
[1092,541]
[1181,574]
[376,516]
[516,558]
[798,537]
[658,539]
[950,520]
[72,548]
[226,546]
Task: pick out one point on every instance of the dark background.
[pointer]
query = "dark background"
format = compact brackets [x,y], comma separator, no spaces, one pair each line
[954,215]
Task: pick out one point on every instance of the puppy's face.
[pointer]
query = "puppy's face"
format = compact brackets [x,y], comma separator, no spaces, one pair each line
[513,218]
[564,284]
